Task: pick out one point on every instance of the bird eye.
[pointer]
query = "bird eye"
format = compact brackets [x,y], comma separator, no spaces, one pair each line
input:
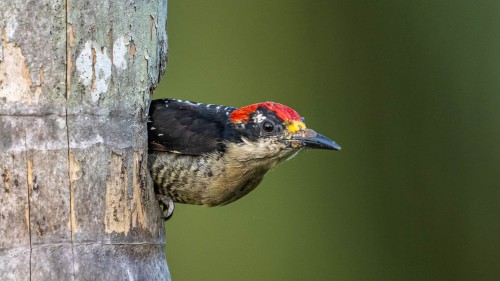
[267,126]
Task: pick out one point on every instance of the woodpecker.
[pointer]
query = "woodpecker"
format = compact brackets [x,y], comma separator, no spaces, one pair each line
[212,155]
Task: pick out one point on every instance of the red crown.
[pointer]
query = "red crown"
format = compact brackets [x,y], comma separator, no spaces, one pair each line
[285,113]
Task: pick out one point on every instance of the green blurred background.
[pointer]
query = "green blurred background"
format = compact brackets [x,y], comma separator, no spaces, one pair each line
[410,89]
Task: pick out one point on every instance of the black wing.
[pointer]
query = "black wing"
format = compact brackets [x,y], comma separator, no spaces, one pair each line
[186,127]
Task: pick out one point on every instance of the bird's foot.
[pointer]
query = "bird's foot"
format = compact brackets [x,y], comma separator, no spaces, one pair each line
[167,205]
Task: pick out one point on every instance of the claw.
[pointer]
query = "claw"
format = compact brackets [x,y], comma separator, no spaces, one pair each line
[167,205]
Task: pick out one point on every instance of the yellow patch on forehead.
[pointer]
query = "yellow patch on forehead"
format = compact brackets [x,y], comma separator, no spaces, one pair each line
[295,126]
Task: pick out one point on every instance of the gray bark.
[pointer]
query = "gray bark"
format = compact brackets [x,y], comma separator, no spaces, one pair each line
[76,200]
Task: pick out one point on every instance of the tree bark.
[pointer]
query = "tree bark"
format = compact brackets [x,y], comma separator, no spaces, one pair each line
[76,200]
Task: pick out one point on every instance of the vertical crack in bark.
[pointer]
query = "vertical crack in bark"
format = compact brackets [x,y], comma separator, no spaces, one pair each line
[111,51]
[69,42]
[29,167]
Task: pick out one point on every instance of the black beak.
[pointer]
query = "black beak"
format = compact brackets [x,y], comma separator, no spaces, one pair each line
[311,139]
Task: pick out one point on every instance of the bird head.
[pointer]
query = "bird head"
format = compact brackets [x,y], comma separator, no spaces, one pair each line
[273,127]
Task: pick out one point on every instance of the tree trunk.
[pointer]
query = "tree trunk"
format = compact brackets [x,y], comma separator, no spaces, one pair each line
[76,200]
